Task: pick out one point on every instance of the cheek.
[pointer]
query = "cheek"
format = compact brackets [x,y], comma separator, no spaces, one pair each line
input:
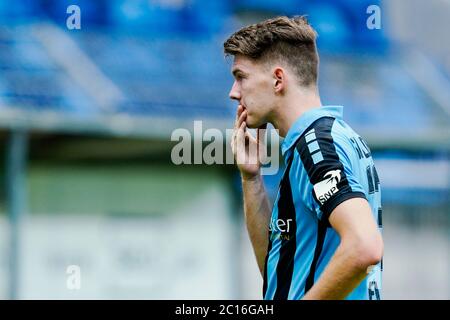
[254,95]
[253,103]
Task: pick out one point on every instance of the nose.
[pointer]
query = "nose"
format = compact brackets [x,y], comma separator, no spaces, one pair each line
[235,93]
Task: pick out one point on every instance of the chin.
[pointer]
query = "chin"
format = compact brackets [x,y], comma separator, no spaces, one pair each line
[253,124]
[250,124]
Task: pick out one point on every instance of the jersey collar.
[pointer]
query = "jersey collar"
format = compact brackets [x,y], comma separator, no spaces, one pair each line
[305,120]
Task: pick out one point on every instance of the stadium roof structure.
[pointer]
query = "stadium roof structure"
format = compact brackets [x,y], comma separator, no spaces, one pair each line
[124,84]
[115,84]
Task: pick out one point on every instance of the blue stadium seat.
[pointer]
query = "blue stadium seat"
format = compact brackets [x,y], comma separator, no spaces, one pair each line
[275,7]
[372,88]
[332,24]
[156,18]
[18,11]
[163,18]
[30,80]
[205,18]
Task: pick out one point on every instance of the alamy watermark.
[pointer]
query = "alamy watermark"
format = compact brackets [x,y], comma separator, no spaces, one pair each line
[207,147]
[74,20]
[374,20]
[73,281]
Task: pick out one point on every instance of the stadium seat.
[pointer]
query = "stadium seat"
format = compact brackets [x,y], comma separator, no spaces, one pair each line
[205,18]
[154,18]
[332,24]
[18,11]
[275,7]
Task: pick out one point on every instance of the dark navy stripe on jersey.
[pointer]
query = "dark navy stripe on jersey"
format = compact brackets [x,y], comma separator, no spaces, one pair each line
[286,211]
[376,179]
[380,217]
[265,264]
[321,233]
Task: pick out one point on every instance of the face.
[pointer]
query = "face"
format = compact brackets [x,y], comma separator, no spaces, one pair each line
[253,88]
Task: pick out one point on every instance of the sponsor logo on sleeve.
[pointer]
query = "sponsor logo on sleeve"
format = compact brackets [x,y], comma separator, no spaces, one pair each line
[326,188]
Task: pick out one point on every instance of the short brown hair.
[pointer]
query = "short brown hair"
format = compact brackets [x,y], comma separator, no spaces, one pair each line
[289,40]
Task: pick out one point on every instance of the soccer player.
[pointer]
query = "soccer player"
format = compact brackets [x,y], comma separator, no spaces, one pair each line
[322,239]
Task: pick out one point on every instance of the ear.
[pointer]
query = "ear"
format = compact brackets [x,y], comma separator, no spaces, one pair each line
[279,80]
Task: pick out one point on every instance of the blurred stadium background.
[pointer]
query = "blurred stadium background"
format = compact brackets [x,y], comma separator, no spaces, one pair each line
[86,118]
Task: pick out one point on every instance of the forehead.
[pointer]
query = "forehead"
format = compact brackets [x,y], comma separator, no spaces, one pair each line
[244,64]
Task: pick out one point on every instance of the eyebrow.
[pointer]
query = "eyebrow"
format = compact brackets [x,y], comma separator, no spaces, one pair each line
[236,71]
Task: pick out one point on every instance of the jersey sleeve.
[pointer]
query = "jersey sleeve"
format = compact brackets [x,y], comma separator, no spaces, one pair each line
[330,166]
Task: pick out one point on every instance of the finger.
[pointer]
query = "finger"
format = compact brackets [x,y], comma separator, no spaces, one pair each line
[235,130]
[236,126]
[240,144]
[232,144]
[240,133]
[235,135]
[242,118]
[233,141]
[238,114]
[250,136]
[240,108]
[251,148]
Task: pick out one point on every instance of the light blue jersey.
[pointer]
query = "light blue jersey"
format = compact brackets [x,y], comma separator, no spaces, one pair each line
[326,164]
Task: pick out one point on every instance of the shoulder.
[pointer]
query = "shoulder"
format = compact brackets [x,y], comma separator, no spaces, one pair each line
[325,151]
[320,147]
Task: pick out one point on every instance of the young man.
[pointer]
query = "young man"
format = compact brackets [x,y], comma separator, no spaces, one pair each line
[322,238]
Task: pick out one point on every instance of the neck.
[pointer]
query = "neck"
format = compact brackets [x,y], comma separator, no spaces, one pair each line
[292,107]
